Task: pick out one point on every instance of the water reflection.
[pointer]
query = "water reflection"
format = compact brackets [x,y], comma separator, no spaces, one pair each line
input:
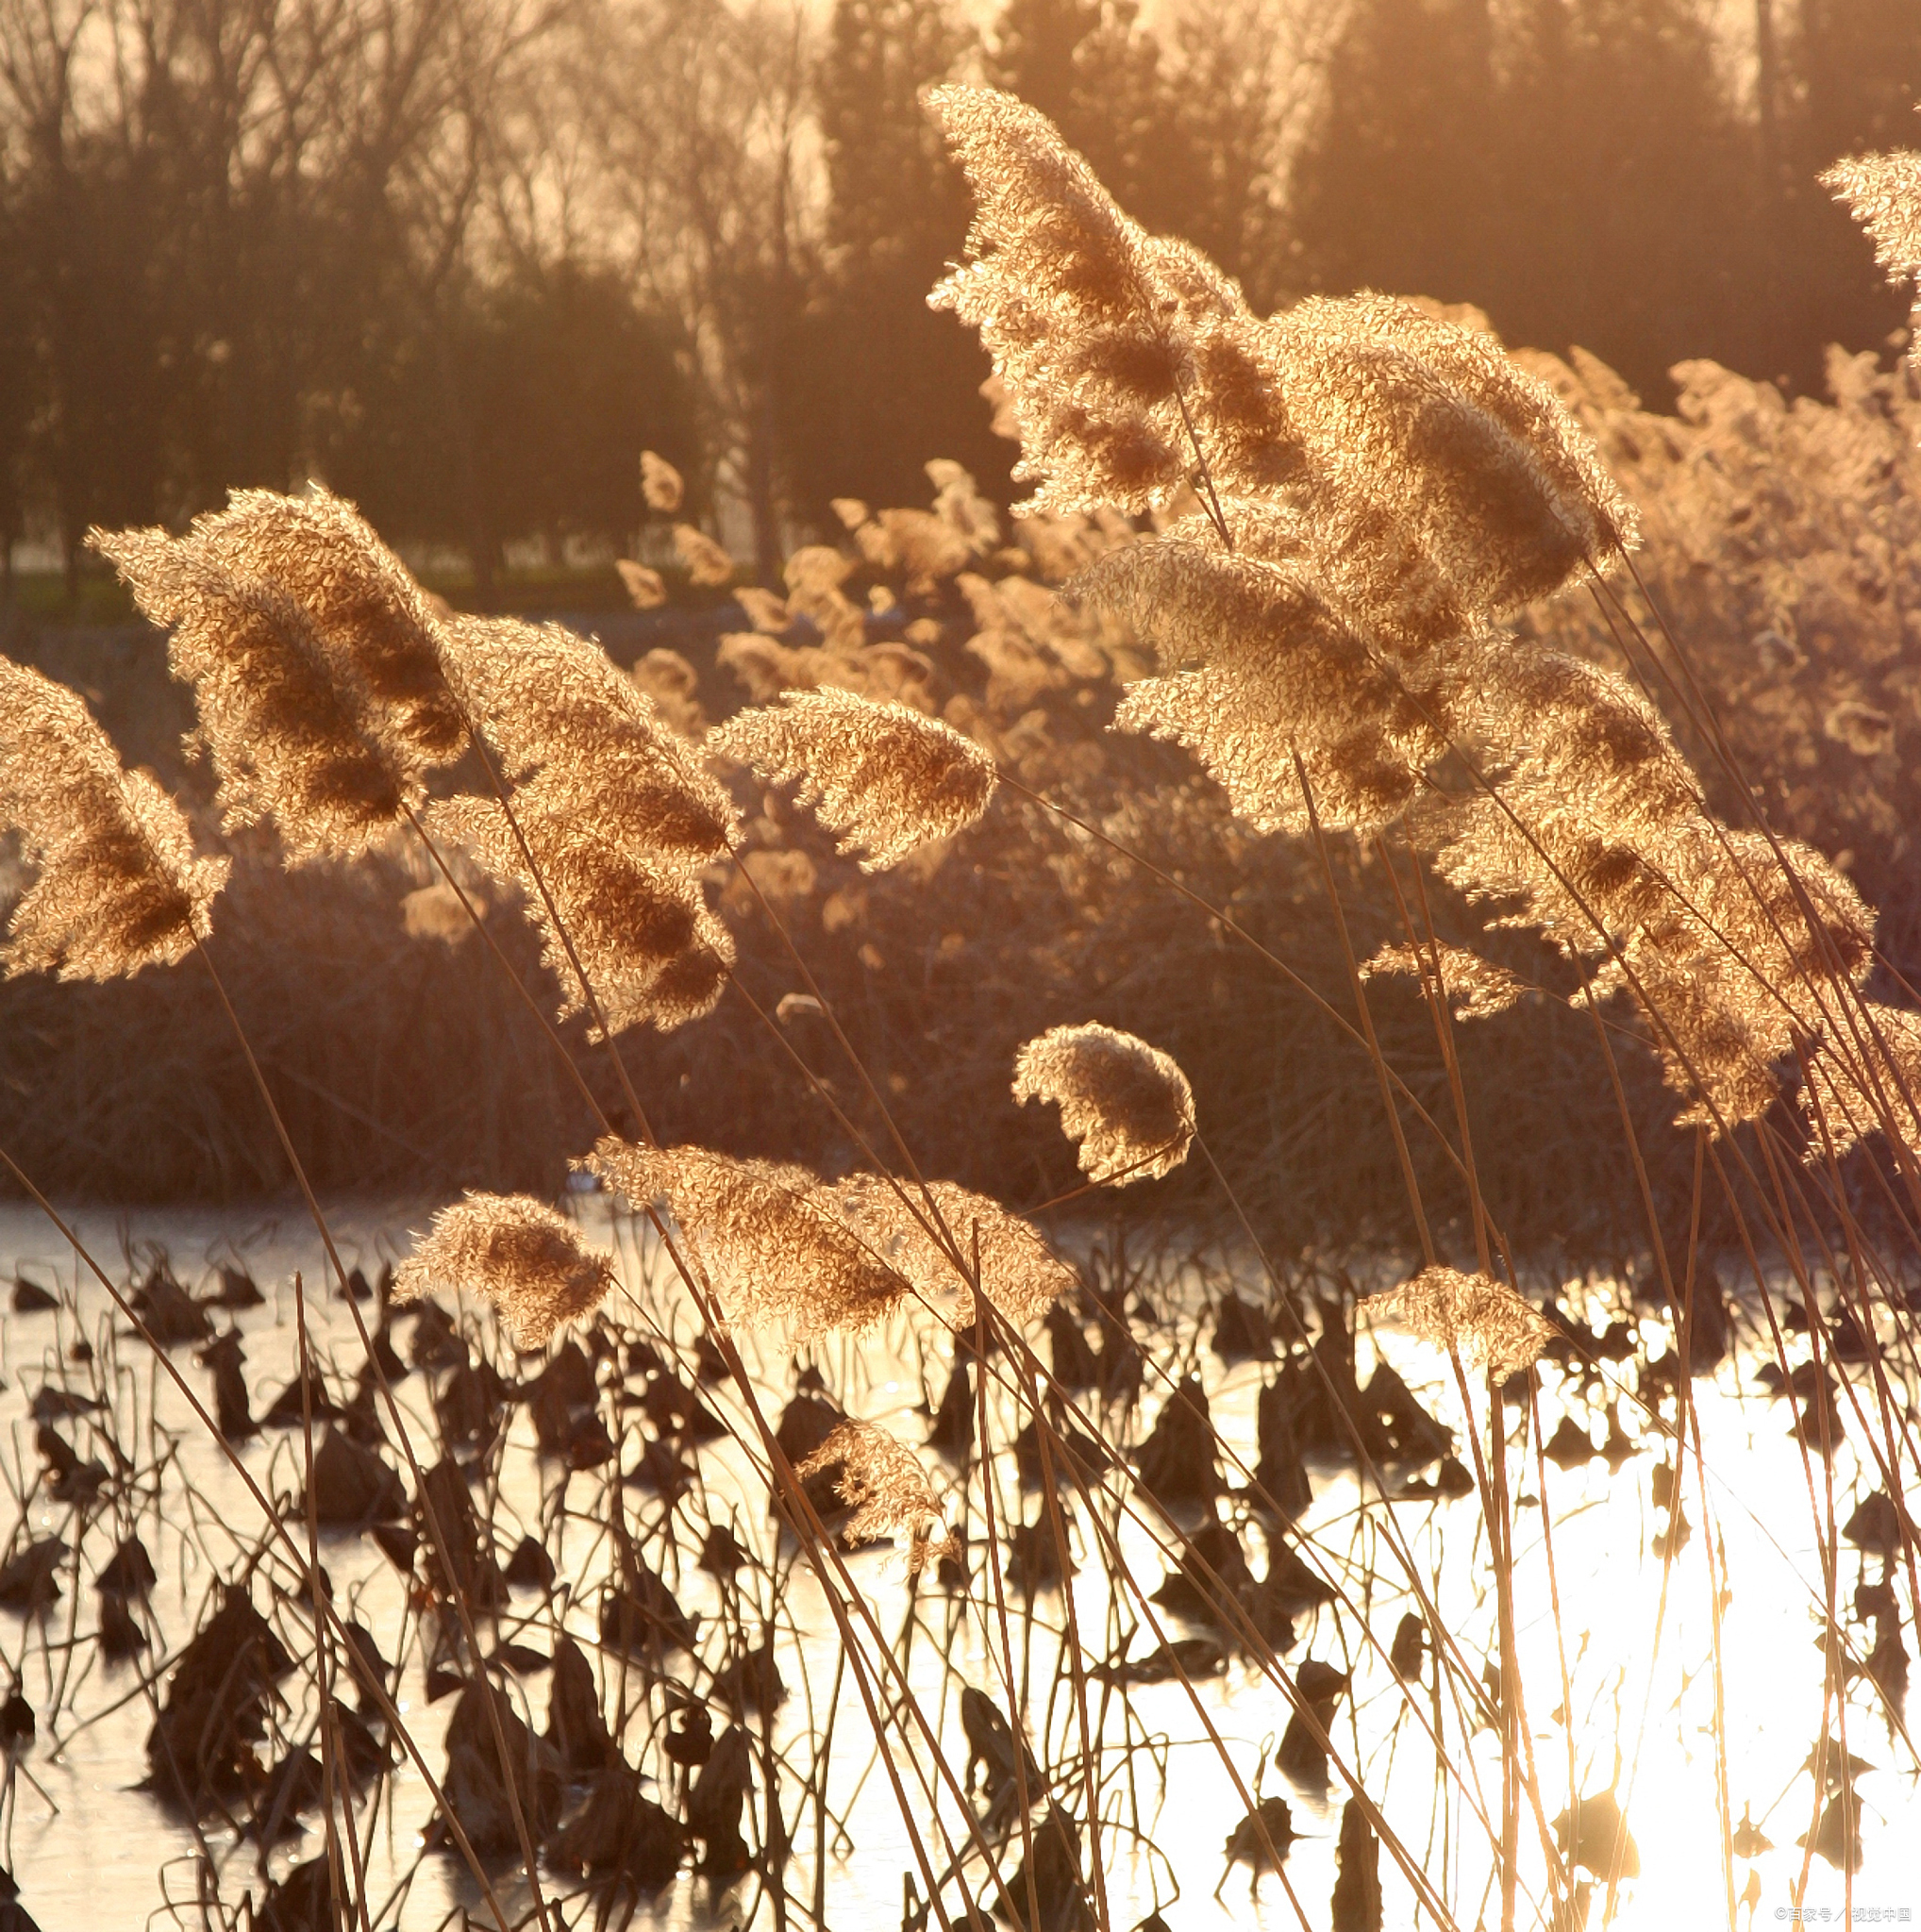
[1618,1564]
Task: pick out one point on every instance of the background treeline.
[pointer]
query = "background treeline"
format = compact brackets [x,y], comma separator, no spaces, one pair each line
[462,258]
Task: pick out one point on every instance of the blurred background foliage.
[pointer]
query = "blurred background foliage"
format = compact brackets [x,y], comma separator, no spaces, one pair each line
[462,258]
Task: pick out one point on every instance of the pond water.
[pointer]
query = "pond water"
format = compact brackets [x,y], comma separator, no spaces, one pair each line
[1616,1635]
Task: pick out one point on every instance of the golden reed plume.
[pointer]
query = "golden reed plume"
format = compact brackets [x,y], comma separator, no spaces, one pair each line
[120,886]
[1361,490]
[1483,1321]
[888,1489]
[528,1260]
[882,776]
[615,810]
[1884,194]
[1127,1103]
[779,1244]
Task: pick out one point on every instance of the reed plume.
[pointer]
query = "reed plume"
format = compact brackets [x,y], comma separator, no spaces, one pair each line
[1006,1254]
[660,483]
[1851,1097]
[368,613]
[577,735]
[888,1489]
[1884,194]
[1128,1105]
[647,942]
[616,810]
[881,775]
[1474,988]
[120,886]
[768,1235]
[707,563]
[1481,1320]
[288,721]
[527,1259]
[1441,485]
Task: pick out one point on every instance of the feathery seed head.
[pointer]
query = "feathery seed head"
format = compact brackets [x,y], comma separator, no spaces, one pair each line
[528,1260]
[881,775]
[1125,1102]
[365,606]
[1482,1320]
[1474,988]
[660,483]
[287,720]
[119,887]
[769,1236]
[888,1489]
[1884,194]
[707,562]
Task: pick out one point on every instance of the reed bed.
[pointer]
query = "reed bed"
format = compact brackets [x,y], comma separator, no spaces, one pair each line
[1317,570]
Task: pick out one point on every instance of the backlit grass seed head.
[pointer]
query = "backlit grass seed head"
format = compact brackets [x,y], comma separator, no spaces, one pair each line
[118,884]
[367,610]
[938,1249]
[1884,194]
[1864,1080]
[1867,732]
[707,562]
[881,775]
[646,937]
[1128,1105]
[1484,1320]
[581,739]
[528,1260]
[660,483]
[888,1489]
[769,1236]
[1474,988]
[286,719]
[1091,325]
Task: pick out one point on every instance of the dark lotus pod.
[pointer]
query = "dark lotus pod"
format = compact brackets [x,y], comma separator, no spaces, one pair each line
[1876,1525]
[129,1572]
[1071,1448]
[236,1289]
[1179,1463]
[1048,1880]
[293,1786]
[169,1313]
[29,1582]
[69,1479]
[749,1683]
[620,1834]
[1242,1333]
[352,1487]
[1402,1427]
[721,1554]
[1355,1905]
[1280,1486]
[30,1298]
[689,1738]
[1404,1652]
[715,1799]
[475,1785]
[119,1636]
[530,1567]
[1261,1839]
[290,1409]
[1570,1445]
[17,1724]
[642,1616]
[1034,1558]
[1212,1574]
[952,1434]
[435,1342]
[232,1405]
[301,1902]
[575,1728]
[1075,1367]
[1121,1367]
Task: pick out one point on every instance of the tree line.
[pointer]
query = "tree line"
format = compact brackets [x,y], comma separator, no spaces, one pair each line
[463,258]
